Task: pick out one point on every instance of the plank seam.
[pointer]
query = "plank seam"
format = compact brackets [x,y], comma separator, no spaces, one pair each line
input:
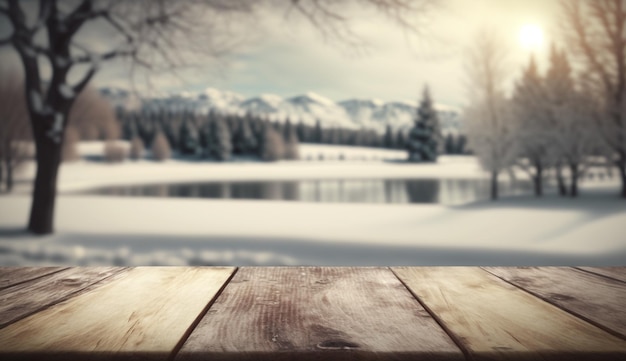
[76,293]
[33,279]
[201,314]
[599,274]
[573,313]
[439,321]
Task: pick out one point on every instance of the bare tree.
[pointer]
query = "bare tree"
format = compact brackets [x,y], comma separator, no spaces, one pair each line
[14,128]
[570,128]
[153,34]
[93,116]
[532,132]
[596,33]
[488,117]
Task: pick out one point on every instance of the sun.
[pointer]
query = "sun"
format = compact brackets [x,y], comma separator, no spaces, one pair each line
[531,37]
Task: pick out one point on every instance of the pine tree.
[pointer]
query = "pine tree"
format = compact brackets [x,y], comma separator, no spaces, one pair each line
[388,140]
[171,136]
[424,136]
[400,140]
[145,128]
[129,127]
[317,133]
[244,141]
[301,132]
[461,143]
[449,146]
[204,135]
[220,146]
[287,128]
[189,144]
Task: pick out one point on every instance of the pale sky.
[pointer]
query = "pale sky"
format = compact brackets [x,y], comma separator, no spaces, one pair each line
[290,58]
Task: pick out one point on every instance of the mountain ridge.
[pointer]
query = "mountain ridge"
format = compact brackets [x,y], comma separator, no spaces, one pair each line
[308,108]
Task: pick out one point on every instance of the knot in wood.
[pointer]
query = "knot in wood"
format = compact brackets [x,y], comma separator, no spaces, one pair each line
[336,345]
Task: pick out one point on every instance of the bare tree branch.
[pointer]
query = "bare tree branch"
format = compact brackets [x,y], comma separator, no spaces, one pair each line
[86,79]
[45,8]
[118,25]
[96,58]
[574,14]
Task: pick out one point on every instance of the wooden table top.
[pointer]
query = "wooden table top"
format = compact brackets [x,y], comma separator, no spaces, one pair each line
[313,313]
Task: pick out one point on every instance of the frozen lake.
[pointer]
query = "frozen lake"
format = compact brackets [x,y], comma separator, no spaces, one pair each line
[332,213]
[390,191]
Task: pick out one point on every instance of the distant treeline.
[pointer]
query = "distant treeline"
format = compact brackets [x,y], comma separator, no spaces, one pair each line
[219,136]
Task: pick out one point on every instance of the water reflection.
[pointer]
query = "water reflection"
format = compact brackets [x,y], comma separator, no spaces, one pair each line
[443,191]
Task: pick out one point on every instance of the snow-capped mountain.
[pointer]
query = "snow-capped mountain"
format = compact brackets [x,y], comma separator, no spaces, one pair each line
[306,108]
[219,99]
[361,111]
[263,104]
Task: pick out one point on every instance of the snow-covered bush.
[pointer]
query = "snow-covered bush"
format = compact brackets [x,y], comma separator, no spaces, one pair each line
[136,148]
[114,152]
[69,153]
[161,148]
[273,147]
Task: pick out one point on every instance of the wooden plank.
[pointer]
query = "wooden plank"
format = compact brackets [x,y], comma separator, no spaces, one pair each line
[618,273]
[330,313]
[144,313]
[596,299]
[10,276]
[29,297]
[495,320]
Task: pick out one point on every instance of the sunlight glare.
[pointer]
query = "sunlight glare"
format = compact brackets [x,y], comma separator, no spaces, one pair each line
[531,37]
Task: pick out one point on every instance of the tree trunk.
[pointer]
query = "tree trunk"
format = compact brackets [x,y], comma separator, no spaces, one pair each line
[44,194]
[538,181]
[622,171]
[561,181]
[9,176]
[574,180]
[494,185]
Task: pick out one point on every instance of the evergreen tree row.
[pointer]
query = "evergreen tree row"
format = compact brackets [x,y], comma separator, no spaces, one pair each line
[220,136]
[212,136]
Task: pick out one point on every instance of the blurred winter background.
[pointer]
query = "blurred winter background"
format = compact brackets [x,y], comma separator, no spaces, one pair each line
[365,132]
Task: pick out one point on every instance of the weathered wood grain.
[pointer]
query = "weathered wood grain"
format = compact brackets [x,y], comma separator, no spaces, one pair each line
[10,276]
[618,273]
[495,320]
[24,299]
[143,313]
[317,314]
[596,299]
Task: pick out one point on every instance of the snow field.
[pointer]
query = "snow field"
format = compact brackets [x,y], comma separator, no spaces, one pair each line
[99,230]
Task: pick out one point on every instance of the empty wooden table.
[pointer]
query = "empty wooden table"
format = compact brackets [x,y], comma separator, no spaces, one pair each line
[313,313]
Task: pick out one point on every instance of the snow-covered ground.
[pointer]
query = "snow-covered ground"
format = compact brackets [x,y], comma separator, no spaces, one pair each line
[359,163]
[145,231]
